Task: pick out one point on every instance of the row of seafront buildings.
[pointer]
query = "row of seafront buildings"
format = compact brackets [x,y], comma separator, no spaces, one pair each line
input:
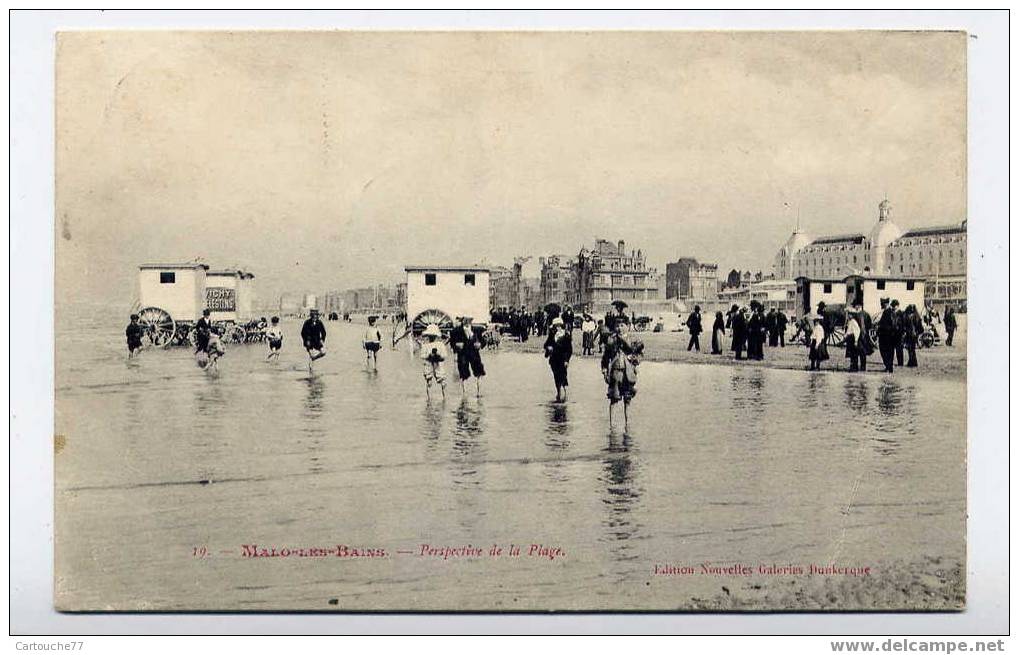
[935,256]
[607,271]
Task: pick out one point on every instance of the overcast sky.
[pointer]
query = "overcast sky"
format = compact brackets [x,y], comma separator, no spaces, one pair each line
[330,160]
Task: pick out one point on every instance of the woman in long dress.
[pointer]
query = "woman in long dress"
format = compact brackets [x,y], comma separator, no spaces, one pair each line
[559,350]
[818,345]
[717,334]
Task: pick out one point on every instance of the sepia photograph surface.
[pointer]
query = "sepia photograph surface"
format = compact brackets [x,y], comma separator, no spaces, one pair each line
[354,321]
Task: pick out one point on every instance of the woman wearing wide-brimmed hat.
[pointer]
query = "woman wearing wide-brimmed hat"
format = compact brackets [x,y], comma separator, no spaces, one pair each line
[559,350]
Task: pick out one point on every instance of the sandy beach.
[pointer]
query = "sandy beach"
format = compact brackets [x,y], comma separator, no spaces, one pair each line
[946,362]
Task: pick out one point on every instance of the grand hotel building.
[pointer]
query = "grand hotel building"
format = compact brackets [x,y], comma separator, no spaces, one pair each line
[937,254]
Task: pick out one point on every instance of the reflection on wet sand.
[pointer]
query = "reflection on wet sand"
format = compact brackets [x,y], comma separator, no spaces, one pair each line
[314,430]
[857,393]
[431,423]
[468,450]
[759,456]
[557,441]
[620,497]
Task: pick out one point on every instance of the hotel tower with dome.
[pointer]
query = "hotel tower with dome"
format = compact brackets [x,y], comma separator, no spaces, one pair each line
[937,254]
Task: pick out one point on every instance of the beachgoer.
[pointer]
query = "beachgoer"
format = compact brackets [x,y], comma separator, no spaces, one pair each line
[274,338]
[755,331]
[818,345]
[951,325]
[203,330]
[372,343]
[866,342]
[887,333]
[782,322]
[313,334]
[568,318]
[900,333]
[738,323]
[134,334]
[467,345]
[214,349]
[693,323]
[912,328]
[717,334]
[853,340]
[619,368]
[434,354]
[559,350]
[587,329]
[771,327]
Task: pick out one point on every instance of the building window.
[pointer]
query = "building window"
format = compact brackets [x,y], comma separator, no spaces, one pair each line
[469,279]
[429,279]
[880,285]
[827,287]
[167,277]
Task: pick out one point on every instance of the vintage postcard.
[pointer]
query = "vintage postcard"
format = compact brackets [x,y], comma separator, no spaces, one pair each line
[510,321]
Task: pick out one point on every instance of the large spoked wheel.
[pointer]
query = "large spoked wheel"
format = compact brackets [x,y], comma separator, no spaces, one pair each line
[926,340]
[158,325]
[837,336]
[438,317]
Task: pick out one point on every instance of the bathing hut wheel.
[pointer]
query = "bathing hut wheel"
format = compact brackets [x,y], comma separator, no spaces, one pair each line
[837,336]
[158,324]
[236,334]
[439,317]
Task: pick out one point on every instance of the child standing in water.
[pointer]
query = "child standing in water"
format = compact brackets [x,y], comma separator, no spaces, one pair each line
[434,354]
[372,343]
[274,337]
[619,368]
[213,351]
[134,333]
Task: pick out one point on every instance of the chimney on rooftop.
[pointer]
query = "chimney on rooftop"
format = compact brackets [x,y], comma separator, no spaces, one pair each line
[621,247]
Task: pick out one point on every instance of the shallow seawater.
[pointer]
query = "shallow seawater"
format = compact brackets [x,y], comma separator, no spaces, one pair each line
[720,465]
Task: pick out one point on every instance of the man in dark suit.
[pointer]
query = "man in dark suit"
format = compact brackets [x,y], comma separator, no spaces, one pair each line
[467,343]
[693,323]
[313,333]
[900,332]
[951,324]
[887,335]
[203,330]
[866,346]
[781,323]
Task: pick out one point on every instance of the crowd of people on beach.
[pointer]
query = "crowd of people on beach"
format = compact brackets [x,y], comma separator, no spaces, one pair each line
[748,328]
